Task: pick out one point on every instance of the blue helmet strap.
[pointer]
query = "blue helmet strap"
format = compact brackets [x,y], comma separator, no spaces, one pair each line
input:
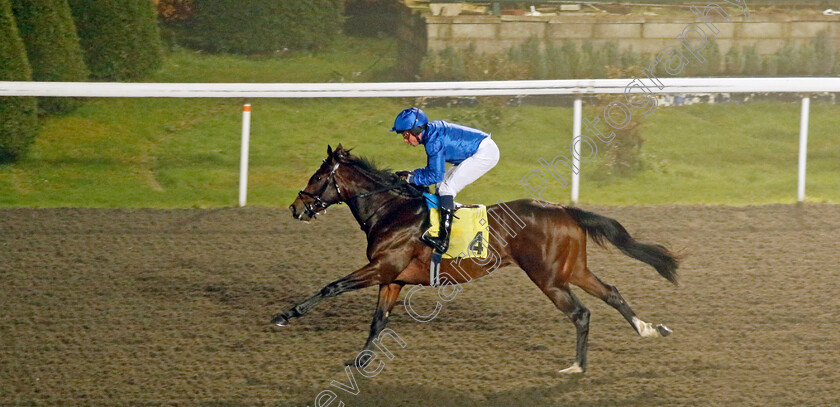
[415,129]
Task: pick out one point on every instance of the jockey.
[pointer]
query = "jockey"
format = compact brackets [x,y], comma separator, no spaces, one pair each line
[472,152]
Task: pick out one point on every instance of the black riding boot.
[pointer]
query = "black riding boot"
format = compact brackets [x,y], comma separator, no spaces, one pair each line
[446,208]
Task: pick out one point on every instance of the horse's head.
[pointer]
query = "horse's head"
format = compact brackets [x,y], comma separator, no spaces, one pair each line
[323,189]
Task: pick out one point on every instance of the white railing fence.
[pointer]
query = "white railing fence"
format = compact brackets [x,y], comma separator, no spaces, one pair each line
[648,86]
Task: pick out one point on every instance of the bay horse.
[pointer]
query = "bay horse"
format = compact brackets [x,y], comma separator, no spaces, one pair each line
[550,246]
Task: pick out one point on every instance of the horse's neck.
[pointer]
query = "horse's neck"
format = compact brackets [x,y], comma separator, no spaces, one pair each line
[380,205]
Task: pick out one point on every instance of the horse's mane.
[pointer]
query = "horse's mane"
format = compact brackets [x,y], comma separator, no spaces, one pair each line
[386,175]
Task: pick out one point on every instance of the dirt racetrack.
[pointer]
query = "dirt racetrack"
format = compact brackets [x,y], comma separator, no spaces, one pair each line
[171,307]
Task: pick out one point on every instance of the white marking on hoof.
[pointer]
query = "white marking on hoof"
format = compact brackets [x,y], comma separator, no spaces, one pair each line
[575,368]
[645,329]
[280,321]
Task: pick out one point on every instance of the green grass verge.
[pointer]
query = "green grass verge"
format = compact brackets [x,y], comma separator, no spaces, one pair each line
[169,153]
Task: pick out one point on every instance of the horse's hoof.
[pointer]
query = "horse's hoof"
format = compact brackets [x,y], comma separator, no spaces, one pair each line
[352,362]
[280,320]
[574,369]
[663,330]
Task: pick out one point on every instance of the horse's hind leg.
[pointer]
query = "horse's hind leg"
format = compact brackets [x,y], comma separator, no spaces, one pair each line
[567,302]
[609,294]
[388,295]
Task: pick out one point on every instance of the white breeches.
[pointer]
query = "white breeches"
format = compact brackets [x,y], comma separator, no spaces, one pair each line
[459,176]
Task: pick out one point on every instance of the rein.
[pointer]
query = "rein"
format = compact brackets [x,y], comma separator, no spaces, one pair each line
[374,192]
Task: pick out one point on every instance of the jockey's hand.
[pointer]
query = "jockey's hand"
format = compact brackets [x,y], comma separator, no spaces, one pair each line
[404,175]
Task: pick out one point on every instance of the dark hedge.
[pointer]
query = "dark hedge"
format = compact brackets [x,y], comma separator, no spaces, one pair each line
[371,17]
[52,46]
[120,38]
[18,115]
[260,26]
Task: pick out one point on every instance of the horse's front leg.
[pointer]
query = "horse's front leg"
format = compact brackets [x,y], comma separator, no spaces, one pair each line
[388,296]
[364,277]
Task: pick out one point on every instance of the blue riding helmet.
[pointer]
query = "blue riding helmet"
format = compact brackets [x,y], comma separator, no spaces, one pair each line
[410,119]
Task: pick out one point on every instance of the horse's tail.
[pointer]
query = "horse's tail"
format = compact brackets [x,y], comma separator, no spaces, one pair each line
[601,227]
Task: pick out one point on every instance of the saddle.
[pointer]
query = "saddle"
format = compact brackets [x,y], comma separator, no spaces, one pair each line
[469,237]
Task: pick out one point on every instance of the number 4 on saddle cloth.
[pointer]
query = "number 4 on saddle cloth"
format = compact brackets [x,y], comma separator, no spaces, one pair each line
[469,237]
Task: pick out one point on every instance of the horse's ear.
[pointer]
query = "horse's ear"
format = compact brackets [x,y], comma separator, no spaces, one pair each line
[329,150]
[341,153]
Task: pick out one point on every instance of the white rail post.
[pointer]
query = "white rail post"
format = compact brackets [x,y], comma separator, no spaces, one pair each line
[243,158]
[803,147]
[576,146]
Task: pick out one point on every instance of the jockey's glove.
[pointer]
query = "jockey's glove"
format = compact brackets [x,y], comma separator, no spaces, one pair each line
[405,175]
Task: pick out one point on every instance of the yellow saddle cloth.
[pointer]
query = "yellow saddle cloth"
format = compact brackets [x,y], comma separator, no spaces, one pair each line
[469,236]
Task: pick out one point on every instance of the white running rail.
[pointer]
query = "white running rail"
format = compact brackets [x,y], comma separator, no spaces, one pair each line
[578,87]
[416,89]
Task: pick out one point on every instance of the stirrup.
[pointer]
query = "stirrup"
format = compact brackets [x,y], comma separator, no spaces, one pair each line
[436,243]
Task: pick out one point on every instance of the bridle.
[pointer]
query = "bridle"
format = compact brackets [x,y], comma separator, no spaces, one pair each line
[317,205]
[313,208]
